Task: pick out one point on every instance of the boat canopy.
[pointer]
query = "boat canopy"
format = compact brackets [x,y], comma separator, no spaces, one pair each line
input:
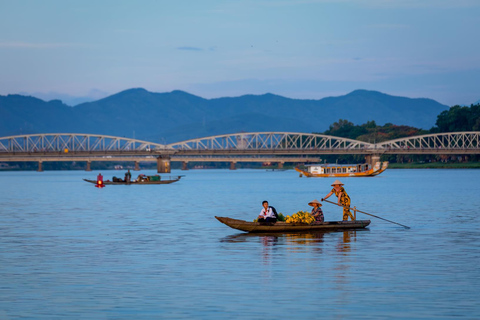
[326,165]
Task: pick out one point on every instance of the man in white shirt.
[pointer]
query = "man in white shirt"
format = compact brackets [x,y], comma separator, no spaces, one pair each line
[266,215]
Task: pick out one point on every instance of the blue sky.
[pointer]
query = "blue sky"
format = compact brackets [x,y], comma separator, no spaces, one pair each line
[307,49]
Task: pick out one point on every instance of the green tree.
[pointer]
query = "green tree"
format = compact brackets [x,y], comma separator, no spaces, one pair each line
[458,118]
[345,129]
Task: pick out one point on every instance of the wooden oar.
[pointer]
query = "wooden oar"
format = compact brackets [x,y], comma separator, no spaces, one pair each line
[406,227]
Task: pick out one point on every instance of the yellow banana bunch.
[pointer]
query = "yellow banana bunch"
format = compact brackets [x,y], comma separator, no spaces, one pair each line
[300,217]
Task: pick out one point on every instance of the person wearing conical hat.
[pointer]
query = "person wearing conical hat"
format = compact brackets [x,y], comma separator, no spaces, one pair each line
[343,199]
[317,212]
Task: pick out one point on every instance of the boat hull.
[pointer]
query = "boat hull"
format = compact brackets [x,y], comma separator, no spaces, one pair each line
[379,168]
[384,167]
[337,175]
[135,182]
[280,226]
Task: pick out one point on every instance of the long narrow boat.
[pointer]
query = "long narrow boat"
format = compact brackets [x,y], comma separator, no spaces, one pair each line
[136,182]
[343,170]
[281,226]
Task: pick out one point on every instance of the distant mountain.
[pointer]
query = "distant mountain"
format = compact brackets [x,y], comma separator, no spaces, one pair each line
[177,115]
[21,115]
[69,100]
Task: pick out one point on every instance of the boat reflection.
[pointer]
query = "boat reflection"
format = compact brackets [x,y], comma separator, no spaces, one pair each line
[328,242]
[272,238]
[300,241]
[344,260]
[305,238]
[345,244]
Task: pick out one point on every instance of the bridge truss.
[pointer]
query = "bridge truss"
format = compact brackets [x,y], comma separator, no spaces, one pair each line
[71,142]
[250,144]
[270,141]
[467,142]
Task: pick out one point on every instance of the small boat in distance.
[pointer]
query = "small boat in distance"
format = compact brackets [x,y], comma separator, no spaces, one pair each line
[153,180]
[281,226]
[343,170]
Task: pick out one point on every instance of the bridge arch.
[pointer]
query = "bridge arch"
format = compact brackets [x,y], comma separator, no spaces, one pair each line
[248,141]
[447,141]
[74,142]
[271,141]
[237,147]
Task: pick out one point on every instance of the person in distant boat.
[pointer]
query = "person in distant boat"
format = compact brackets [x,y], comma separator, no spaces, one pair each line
[128,176]
[343,199]
[266,214]
[317,212]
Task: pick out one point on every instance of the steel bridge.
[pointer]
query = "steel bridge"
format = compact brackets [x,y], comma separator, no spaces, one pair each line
[277,147]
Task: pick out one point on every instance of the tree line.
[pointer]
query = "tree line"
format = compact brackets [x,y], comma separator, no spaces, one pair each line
[457,118]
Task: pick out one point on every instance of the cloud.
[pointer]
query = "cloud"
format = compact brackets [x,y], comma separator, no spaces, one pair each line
[190,48]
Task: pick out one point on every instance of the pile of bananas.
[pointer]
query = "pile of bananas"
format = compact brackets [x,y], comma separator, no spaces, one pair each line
[300,217]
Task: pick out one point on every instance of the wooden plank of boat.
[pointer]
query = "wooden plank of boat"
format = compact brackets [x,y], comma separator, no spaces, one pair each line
[281,226]
[136,182]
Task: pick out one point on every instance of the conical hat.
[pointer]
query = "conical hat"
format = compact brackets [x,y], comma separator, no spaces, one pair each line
[337,182]
[314,201]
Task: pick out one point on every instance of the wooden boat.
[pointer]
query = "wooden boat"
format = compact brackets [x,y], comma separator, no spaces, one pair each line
[383,168]
[134,182]
[280,226]
[343,170]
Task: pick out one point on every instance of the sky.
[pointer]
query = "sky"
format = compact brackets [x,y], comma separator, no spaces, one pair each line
[303,49]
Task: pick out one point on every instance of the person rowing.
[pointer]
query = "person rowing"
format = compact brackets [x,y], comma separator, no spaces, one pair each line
[343,199]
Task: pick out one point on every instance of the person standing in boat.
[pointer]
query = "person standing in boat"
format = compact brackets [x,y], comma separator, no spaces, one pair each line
[343,199]
[128,176]
[266,214]
[317,212]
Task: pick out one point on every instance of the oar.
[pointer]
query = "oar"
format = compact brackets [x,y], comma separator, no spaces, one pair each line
[406,227]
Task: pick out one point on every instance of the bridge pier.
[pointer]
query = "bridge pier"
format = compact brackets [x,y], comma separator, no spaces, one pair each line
[40,169]
[233,165]
[137,166]
[371,159]
[185,165]
[89,163]
[163,165]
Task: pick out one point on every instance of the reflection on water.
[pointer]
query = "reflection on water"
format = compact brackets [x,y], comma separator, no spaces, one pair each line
[296,241]
[71,251]
[348,236]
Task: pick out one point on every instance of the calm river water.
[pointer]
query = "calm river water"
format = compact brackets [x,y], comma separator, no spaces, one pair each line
[71,251]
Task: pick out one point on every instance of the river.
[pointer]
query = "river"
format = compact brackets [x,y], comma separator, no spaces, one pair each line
[69,250]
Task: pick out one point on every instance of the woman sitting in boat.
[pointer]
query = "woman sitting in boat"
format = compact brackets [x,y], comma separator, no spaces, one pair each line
[317,212]
[343,199]
[266,215]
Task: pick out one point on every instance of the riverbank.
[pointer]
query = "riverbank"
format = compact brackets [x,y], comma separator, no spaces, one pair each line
[435,165]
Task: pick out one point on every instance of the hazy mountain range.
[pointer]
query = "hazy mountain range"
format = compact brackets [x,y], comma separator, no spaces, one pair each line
[177,115]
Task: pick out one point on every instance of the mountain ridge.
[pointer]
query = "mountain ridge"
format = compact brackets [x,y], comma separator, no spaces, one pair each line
[178,115]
